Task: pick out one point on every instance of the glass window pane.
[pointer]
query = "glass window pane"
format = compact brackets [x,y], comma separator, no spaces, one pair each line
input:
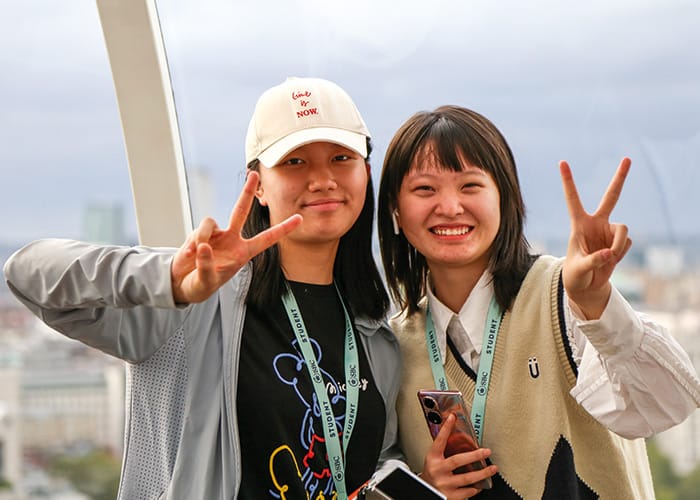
[62,159]
[588,83]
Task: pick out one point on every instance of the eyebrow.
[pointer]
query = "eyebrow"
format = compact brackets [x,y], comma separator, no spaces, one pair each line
[432,172]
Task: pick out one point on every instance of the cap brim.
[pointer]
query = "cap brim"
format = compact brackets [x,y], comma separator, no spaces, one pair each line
[351,140]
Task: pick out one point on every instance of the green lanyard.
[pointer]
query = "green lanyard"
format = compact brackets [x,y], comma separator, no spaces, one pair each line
[483,374]
[336,454]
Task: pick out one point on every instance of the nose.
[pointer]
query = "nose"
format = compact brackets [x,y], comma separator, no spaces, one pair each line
[449,205]
[321,178]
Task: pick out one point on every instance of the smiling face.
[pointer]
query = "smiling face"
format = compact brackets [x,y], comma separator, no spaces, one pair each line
[450,217]
[478,226]
[324,182]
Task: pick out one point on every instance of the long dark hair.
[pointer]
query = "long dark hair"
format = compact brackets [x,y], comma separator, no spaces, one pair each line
[355,270]
[453,133]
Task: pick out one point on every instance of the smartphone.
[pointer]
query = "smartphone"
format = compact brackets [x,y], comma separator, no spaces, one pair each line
[399,483]
[437,406]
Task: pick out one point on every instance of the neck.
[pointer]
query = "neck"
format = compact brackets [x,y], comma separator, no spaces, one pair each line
[308,263]
[453,286]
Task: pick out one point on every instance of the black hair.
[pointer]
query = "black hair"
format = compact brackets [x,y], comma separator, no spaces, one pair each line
[452,134]
[355,271]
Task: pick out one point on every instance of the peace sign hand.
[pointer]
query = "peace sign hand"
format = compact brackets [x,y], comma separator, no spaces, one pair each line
[595,244]
[211,256]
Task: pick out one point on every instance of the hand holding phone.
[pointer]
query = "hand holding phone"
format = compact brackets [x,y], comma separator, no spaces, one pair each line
[437,406]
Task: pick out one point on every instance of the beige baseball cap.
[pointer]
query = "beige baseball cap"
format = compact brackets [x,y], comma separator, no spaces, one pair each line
[299,111]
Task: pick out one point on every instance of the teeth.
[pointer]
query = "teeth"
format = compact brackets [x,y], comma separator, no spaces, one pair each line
[451,231]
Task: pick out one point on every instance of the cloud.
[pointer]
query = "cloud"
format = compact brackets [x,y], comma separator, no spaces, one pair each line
[588,82]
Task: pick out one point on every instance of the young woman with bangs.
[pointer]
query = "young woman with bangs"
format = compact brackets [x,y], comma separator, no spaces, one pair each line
[564,379]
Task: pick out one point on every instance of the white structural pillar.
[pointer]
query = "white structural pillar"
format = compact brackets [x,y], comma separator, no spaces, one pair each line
[147,110]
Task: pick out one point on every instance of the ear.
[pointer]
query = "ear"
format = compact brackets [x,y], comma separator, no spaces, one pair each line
[260,195]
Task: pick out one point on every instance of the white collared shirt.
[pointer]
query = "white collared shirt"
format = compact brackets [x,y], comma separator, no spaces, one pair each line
[633,377]
[472,315]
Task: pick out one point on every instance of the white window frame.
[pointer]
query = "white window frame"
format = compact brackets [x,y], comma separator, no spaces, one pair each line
[146,104]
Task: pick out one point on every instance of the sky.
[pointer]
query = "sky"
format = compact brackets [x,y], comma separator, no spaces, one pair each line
[588,82]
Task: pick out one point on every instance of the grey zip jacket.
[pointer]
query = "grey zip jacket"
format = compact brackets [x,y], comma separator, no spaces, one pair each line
[181,431]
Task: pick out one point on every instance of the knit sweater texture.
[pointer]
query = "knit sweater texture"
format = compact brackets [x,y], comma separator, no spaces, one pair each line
[544,443]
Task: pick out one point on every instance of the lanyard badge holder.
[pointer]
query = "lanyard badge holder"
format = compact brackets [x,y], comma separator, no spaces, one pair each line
[336,451]
[483,374]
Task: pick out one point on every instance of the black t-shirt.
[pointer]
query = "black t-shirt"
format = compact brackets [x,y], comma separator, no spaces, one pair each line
[280,427]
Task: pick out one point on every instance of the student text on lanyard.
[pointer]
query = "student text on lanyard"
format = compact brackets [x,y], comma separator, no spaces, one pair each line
[336,453]
[483,374]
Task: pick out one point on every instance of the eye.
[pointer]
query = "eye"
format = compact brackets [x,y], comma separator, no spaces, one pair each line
[341,158]
[423,188]
[293,161]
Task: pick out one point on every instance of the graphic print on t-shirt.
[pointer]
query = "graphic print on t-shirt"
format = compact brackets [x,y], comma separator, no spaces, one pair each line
[312,468]
[283,449]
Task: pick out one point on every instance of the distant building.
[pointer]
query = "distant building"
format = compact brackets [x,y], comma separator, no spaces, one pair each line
[10,421]
[56,396]
[66,395]
[72,396]
[201,191]
[104,223]
[682,443]
[664,260]
[630,282]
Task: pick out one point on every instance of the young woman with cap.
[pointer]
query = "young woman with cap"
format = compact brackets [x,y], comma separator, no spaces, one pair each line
[259,362]
[562,376]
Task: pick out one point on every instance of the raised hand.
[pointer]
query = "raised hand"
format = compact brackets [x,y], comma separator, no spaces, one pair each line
[211,256]
[438,470]
[595,244]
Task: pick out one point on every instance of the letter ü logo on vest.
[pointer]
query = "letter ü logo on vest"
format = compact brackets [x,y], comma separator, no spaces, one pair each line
[534,367]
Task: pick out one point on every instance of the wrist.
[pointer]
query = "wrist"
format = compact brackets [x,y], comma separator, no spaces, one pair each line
[591,304]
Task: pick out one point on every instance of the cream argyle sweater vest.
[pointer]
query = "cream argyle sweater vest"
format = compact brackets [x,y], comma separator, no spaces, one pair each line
[544,443]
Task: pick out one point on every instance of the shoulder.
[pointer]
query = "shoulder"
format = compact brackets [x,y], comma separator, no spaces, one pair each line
[542,286]
[382,348]
[545,271]
[544,263]
[403,318]
[410,327]
[371,328]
